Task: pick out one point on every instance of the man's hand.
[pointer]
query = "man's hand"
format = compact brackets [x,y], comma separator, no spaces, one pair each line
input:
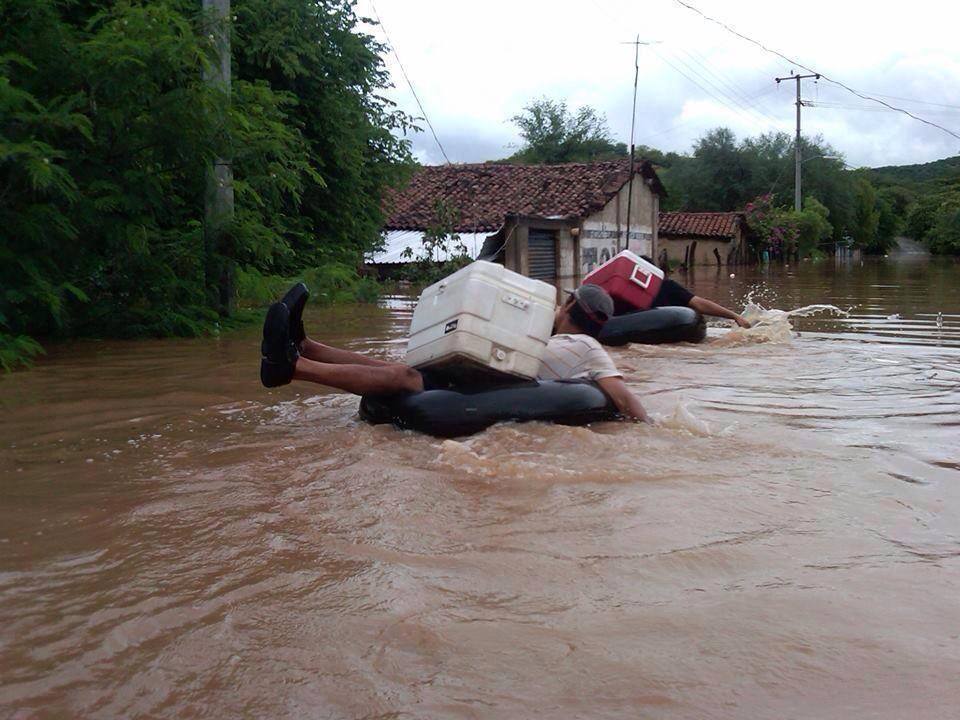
[627,403]
[743,322]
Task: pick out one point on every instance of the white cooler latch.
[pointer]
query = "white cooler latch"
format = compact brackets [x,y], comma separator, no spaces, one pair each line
[517,302]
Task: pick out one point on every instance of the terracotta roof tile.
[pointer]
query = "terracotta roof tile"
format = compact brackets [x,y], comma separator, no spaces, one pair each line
[715,224]
[485,193]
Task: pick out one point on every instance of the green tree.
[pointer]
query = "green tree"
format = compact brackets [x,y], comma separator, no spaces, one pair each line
[553,134]
[106,133]
[944,236]
[717,177]
[333,77]
[813,227]
[866,217]
[921,217]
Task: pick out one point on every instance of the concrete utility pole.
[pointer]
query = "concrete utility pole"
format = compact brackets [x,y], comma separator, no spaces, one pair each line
[797,196]
[218,199]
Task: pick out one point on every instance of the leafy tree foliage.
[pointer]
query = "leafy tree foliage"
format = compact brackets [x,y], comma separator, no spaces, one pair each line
[553,134]
[935,219]
[107,131]
[723,174]
[443,251]
[944,237]
[813,227]
[866,216]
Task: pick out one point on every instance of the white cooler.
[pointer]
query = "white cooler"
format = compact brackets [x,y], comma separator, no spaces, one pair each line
[482,321]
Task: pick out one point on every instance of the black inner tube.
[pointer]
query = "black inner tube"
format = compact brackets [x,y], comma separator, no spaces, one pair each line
[455,413]
[661,325]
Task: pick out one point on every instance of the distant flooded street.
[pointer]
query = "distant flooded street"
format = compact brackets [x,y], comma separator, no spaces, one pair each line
[176,541]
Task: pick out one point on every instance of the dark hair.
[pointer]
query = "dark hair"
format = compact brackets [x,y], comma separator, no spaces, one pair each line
[583,321]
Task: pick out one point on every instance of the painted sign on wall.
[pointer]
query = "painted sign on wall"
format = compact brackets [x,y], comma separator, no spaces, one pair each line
[599,243]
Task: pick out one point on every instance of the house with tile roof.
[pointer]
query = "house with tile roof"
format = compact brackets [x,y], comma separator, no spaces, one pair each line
[702,238]
[551,222]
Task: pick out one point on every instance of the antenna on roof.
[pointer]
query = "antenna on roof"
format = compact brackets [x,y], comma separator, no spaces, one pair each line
[633,120]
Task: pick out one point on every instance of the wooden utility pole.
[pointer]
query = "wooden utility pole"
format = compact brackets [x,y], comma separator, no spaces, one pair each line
[633,118]
[797,196]
[218,199]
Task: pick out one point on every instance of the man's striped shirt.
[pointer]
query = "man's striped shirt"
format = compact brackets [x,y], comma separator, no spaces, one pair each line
[570,357]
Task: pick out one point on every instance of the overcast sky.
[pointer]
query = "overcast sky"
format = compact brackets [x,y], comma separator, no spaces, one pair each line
[476,64]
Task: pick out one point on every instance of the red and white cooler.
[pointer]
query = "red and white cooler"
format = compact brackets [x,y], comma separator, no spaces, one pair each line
[632,282]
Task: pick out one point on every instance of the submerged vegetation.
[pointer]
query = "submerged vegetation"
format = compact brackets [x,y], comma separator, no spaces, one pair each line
[107,131]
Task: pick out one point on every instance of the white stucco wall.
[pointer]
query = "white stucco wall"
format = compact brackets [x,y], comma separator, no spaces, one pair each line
[604,233]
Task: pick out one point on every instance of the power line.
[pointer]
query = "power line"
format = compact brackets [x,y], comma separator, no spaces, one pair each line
[409,84]
[713,95]
[703,63]
[918,102]
[810,70]
[829,104]
[762,117]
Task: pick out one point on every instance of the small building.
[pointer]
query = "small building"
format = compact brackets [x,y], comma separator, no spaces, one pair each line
[695,238]
[551,222]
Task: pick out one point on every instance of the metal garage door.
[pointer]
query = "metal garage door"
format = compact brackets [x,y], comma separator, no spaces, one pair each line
[542,254]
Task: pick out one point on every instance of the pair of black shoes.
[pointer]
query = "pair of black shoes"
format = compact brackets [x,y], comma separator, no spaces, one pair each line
[282,334]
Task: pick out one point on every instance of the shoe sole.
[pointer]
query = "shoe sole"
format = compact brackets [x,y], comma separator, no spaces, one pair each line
[275,374]
[276,333]
[296,300]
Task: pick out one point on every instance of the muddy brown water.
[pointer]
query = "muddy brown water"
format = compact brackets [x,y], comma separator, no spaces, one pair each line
[177,542]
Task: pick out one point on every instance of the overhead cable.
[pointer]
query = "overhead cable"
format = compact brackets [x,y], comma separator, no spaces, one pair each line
[748,107]
[790,60]
[393,48]
[713,94]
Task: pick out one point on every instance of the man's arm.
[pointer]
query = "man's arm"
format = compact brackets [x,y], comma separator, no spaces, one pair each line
[709,307]
[627,403]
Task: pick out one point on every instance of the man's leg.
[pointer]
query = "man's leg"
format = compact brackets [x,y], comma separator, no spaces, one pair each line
[313,350]
[289,354]
[383,379]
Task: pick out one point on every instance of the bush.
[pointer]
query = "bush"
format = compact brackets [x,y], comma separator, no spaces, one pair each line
[108,132]
[944,236]
[331,283]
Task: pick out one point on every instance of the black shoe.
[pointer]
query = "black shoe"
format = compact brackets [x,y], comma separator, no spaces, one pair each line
[275,374]
[296,300]
[279,353]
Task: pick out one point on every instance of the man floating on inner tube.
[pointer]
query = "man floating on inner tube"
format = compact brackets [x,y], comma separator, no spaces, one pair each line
[673,293]
[572,352]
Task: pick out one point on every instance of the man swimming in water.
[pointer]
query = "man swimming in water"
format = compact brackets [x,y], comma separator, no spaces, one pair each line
[572,352]
[673,293]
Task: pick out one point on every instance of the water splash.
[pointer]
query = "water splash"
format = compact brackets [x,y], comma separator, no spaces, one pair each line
[684,420]
[771,325]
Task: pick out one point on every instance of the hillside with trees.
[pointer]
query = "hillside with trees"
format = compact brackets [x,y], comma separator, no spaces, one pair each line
[929,201]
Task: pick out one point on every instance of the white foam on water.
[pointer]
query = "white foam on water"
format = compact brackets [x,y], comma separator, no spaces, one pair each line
[771,325]
[684,420]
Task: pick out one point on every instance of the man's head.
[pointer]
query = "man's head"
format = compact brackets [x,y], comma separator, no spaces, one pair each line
[585,311]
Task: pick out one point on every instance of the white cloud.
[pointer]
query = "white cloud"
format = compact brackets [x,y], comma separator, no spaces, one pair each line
[474,65]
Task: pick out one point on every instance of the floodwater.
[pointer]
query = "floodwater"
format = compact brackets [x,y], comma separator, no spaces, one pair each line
[177,542]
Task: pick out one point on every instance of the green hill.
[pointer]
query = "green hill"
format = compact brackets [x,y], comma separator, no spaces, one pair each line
[936,173]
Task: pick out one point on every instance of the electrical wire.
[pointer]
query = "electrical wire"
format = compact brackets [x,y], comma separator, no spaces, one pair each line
[409,84]
[734,92]
[713,95]
[715,87]
[790,60]
[831,105]
[918,102]
[682,123]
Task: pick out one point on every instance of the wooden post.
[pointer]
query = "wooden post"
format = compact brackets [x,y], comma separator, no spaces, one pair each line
[218,199]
